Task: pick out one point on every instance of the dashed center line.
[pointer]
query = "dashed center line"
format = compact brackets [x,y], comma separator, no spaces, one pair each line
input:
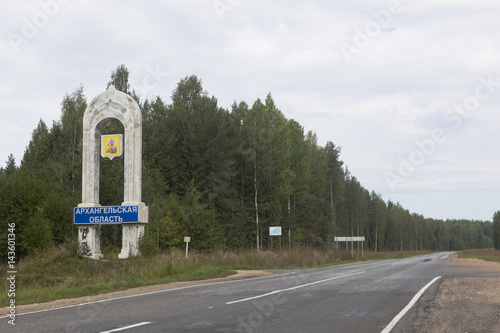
[127,327]
[292,288]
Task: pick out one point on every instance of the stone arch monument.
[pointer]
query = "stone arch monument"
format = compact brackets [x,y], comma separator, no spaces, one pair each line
[132,214]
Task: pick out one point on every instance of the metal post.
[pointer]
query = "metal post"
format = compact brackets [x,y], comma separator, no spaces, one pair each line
[289,239]
[187,240]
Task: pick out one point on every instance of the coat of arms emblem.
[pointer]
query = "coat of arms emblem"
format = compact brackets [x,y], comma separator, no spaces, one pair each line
[111,146]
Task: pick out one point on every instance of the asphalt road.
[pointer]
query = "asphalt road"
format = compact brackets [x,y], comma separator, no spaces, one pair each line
[362,297]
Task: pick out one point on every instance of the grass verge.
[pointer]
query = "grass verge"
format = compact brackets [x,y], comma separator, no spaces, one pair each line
[485,254]
[58,273]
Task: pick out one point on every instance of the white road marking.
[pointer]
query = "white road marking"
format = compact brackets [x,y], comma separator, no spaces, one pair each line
[127,327]
[292,288]
[148,293]
[414,300]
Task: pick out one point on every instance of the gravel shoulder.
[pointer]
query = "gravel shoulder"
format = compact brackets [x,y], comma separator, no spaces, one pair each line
[461,304]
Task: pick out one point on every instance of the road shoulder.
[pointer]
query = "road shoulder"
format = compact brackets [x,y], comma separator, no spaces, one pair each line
[461,303]
[239,275]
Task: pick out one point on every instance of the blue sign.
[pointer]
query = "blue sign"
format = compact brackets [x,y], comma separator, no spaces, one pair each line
[274,231]
[106,215]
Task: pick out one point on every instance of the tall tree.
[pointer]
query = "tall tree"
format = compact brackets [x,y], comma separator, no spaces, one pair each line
[37,150]
[11,167]
[378,210]
[496,230]
[119,78]
[334,176]
[72,110]
[257,137]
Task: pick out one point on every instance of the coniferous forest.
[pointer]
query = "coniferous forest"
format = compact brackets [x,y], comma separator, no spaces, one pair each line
[220,176]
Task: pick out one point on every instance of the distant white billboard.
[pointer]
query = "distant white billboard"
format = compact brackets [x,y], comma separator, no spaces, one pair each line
[274,231]
[349,239]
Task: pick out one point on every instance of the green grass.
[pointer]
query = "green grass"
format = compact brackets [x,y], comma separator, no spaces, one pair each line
[37,294]
[59,273]
[485,254]
[56,274]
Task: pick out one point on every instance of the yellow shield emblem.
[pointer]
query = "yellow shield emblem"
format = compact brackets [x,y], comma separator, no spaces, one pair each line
[111,146]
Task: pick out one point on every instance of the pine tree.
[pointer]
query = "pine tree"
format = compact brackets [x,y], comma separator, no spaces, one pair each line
[496,230]
[11,167]
[119,78]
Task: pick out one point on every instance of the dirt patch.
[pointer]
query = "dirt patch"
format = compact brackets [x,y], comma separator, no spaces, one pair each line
[455,260]
[464,304]
[239,275]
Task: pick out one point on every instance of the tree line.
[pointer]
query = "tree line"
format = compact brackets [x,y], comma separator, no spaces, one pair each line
[221,176]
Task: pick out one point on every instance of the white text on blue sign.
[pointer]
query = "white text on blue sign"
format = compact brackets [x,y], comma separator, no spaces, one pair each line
[107,214]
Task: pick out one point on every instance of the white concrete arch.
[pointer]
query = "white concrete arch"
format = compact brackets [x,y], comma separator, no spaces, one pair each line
[112,104]
[109,105]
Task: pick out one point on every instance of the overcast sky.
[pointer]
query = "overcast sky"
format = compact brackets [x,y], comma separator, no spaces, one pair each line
[410,90]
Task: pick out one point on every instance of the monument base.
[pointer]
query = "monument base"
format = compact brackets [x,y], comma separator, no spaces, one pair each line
[131,233]
[89,241]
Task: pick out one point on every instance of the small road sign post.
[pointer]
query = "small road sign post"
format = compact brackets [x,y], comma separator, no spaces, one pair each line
[347,240]
[187,240]
[275,231]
